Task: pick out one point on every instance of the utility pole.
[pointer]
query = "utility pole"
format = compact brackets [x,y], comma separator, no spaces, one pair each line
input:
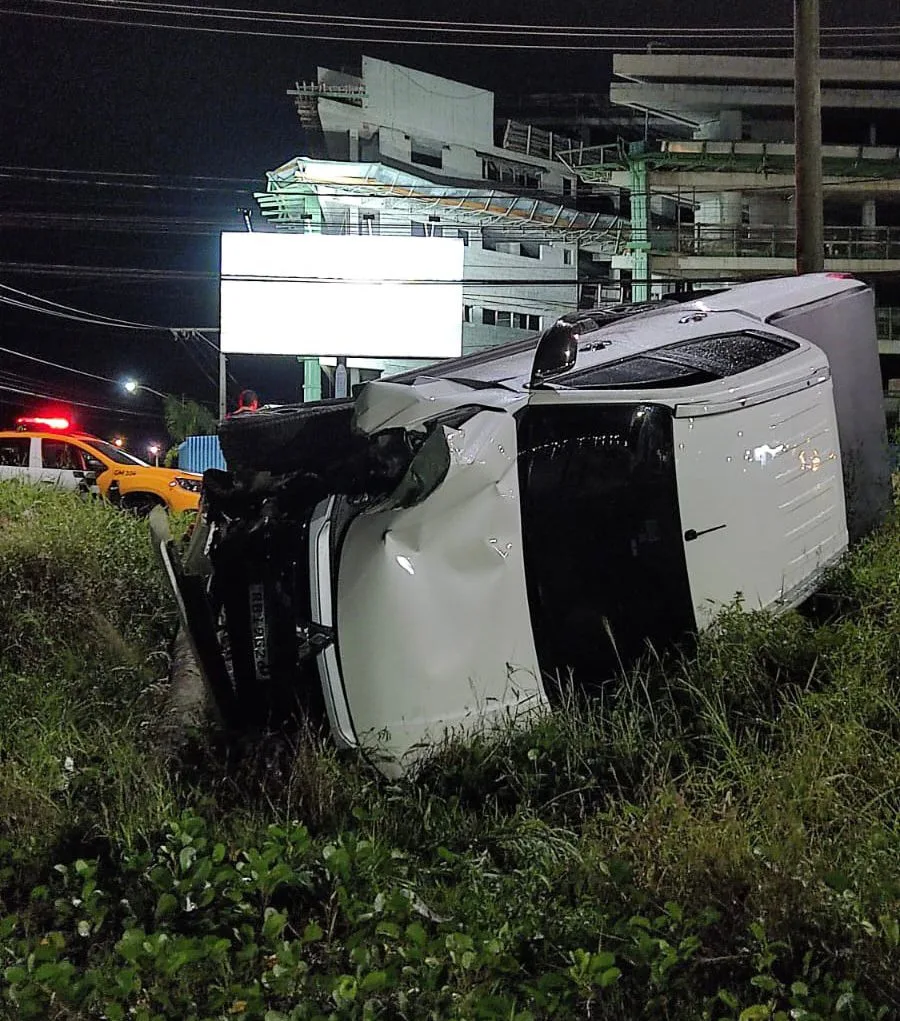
[223,384]
[810,223]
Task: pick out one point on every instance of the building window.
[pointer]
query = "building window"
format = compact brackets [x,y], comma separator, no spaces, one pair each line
[489,170]
[467,313]
[530,250]
[464,234]
[417,229]
[339,225]
[511,173]
[567,257]
[433,228]
[368,223]
[425,153]
[568,186]
[516,320]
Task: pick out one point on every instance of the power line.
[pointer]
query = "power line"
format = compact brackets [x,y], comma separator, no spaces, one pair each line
[214,13]
[92,375]
[467,43]
[60,178]
[92,319]
[82,404]
[67,311]
[180,333]
[57,365]
[129,174]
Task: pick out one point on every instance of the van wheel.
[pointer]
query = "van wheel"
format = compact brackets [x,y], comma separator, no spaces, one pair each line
[140,504]
[287,439]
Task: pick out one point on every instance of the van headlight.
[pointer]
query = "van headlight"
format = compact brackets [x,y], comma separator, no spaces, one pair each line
[191,485]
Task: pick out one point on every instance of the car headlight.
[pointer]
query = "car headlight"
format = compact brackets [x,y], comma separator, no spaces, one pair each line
[191,485]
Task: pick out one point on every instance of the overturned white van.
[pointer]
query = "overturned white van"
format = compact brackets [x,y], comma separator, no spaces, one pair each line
[439,553]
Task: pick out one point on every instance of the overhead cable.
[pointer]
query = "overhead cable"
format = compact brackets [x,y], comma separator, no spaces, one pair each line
[845,42]
[83,404]
[93,319]
[217,13]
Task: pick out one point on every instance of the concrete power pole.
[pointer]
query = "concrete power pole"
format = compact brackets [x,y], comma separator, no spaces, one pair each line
[223,384]
[810,221]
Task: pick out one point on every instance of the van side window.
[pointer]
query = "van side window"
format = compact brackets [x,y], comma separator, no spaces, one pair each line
[687,363]
[730,353]
[635,373]
[14,452]
[62,455]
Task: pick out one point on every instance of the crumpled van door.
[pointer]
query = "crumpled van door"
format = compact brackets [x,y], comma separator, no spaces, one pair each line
[433,627]
[762,499]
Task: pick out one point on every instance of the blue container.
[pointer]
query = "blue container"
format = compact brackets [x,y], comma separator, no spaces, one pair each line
[198,453]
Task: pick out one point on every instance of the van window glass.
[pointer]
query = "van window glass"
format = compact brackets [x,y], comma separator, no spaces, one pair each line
[115,453]
[633,373]
[14,452]
[62,455]
[684,364]
[728,354]
[604,556]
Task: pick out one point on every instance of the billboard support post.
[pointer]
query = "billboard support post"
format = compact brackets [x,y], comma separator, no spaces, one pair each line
[341,388]
[312,379]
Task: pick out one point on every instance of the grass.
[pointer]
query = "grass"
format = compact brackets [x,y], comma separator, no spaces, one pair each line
[717,837]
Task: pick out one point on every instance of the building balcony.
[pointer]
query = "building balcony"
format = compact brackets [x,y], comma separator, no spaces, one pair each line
[717,252]
[774,242]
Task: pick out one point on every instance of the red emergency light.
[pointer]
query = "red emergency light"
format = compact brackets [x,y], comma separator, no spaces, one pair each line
[57,424]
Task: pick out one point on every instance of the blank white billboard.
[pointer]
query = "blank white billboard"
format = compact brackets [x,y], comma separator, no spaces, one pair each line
[341,294]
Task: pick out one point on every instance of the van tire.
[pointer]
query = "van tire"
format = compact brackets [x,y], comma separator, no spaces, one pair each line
[304,437]
[140,504]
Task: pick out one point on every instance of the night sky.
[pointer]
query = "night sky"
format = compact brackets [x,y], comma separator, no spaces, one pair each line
[202,117]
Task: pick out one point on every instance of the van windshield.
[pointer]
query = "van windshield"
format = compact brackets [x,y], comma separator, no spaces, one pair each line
[604,555]
[116,454]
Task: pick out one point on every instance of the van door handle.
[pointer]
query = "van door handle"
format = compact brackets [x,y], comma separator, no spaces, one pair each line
[692,533]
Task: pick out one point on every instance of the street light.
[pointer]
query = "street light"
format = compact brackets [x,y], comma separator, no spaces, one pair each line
[132,386]
[153,450]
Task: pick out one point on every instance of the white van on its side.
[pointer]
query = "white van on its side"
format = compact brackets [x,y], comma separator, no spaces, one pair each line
[439,553]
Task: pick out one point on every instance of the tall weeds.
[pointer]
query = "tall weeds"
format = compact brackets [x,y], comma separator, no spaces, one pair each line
[714,836]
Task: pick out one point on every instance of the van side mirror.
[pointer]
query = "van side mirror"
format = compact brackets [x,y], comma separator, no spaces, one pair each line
[557,352]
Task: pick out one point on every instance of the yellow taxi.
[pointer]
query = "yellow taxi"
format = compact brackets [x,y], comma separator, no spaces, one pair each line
[50,451]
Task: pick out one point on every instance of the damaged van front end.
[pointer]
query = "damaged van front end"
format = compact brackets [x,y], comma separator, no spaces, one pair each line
[357,589]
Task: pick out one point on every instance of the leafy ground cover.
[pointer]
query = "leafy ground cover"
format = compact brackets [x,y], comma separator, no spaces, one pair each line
[716,837]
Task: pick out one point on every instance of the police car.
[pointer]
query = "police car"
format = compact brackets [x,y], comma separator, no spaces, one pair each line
[50,450]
